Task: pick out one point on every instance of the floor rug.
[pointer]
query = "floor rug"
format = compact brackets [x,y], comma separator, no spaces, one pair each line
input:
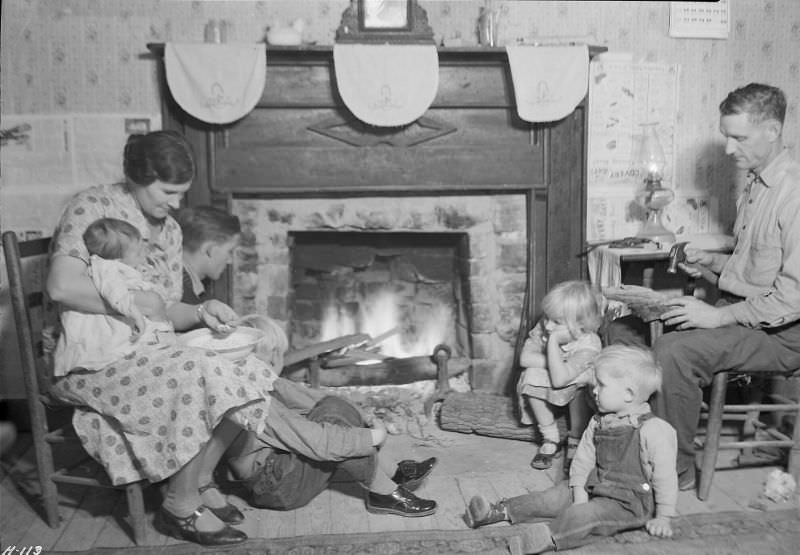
[745,532]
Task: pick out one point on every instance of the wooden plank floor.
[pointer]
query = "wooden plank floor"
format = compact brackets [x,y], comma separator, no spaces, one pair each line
[468,464]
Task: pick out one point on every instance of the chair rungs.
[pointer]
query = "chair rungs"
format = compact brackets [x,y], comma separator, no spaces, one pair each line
[61,477]
[754,443]
[56,436]
[768,407]
[728,417]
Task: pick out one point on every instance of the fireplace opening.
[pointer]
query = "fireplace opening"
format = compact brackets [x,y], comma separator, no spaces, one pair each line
[408,289]
[472,250]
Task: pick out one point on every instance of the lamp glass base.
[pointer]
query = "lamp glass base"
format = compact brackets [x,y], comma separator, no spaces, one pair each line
[654,230]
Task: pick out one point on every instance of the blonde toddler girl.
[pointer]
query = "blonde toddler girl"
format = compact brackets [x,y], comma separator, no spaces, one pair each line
[555,361]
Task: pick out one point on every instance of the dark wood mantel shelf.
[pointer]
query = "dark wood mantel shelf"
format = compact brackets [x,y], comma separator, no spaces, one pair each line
[312,53]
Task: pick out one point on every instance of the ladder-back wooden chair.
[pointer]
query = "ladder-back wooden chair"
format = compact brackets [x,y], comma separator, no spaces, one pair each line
[28,306]
[749,415]
[717,412]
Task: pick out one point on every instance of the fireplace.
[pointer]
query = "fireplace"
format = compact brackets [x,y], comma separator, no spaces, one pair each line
[500,200]
[481,282]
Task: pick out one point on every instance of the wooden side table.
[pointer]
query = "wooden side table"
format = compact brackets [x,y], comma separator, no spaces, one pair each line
[645,267]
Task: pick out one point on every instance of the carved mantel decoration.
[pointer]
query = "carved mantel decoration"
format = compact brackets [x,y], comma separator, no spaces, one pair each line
[353,132]
[356,27]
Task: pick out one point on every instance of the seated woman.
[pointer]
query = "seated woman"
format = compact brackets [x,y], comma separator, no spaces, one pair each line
[163,411]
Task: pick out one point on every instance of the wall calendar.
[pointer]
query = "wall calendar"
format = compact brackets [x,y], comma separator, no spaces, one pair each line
[703,20]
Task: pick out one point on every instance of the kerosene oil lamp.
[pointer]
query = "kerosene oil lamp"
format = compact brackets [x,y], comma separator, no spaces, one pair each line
[653,196]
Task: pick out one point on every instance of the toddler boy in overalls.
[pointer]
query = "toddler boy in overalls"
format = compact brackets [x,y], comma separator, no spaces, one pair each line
[623,475]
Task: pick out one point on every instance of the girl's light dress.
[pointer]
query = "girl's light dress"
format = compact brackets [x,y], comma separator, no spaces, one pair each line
[535,382]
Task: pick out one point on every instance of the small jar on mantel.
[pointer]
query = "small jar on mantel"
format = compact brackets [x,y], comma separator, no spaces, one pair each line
[216,31]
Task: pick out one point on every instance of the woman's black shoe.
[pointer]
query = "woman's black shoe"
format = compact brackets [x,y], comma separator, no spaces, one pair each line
[184,528]
[229,514]
[410,474]
[400,502]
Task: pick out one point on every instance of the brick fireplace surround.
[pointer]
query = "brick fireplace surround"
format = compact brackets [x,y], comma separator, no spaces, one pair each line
[495,226]
[300,162]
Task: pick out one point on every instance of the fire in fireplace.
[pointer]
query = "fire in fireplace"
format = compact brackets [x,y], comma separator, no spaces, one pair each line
[406,288]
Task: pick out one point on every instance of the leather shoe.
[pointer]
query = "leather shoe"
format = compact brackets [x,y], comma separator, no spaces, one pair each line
[184,528]
[480,512]
[400,502]
[410,474]
[229,514]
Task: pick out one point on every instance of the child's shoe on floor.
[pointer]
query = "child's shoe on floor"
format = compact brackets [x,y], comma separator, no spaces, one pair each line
[548,451]
[480,512]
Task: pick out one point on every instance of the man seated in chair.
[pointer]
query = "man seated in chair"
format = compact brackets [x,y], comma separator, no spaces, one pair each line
[754,326]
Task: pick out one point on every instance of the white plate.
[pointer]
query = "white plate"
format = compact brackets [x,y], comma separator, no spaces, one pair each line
[234,346]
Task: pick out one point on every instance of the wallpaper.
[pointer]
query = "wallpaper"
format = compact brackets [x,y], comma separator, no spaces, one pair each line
[84,65]
[90,56]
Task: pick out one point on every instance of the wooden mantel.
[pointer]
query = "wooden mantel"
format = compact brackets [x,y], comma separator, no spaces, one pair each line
[301,141]
[472,129]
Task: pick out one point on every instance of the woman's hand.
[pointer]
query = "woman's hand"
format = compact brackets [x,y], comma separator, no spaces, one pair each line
[216,315]
[150,304]
[660,527]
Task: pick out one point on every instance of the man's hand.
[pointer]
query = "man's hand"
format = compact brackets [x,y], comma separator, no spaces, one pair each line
[698,256]
[701,264]
[660,527]
[688,312]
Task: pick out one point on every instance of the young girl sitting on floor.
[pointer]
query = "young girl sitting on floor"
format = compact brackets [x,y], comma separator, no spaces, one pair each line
[556,358]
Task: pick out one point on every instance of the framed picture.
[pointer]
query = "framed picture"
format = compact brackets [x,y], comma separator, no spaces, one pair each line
[384,21]
[384,15]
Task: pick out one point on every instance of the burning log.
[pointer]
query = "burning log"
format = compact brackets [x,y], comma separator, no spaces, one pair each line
[354,356]
[391,371]
[375,341]
[318,349]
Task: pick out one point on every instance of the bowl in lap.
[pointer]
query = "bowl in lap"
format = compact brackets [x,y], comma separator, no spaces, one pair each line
[236,345]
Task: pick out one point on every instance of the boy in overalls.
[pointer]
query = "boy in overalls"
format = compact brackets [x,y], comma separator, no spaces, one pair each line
[623,475]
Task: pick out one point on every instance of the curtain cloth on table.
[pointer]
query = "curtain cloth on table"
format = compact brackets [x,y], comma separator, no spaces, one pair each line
[216,83]
[549,81]
[387,85]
